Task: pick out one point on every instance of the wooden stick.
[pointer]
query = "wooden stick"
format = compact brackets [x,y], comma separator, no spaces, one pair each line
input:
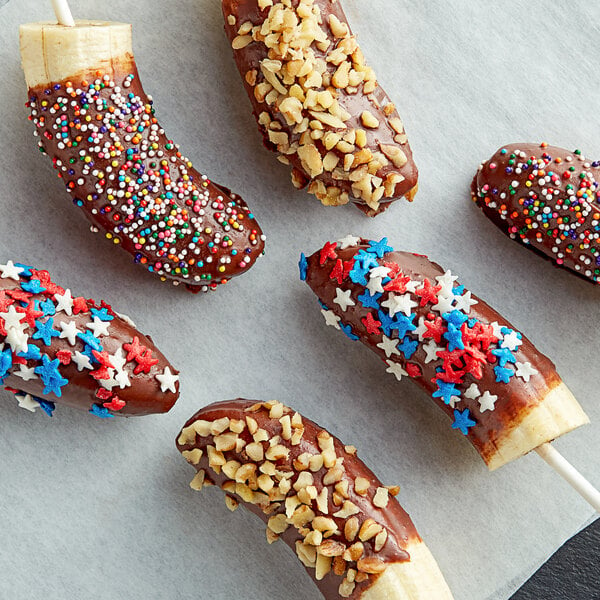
[566,470]
[63,13]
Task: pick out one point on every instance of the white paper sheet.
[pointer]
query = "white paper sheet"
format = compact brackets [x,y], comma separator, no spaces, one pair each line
[97,509]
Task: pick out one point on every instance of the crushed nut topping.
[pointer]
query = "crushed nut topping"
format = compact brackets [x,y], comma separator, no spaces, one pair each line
[310,64]
[310,491]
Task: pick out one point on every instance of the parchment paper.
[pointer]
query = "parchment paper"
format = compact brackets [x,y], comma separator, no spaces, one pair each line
[96,509]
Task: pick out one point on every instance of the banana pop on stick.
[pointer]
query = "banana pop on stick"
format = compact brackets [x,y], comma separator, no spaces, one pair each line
[346,527]
[99,127]
[498,389]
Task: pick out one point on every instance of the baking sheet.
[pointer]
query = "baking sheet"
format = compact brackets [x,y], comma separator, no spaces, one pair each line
[98,509]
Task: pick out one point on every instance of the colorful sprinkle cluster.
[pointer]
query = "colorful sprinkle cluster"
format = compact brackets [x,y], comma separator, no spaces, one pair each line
[417,321]
[548,198]
[36,315]
[133,183]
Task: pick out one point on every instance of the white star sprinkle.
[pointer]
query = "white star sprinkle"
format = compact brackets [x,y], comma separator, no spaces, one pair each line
[472,391]
[454,400]
[331,318]
[126,319]
[396,369]
[487,401]
[343,299]
[27,402]
[64,302]
[511,341]
[82,361]
[9,271]
[431,350]
[447,282]
[444,304]
[379,272]
[403,303]
[69,332]
[525,370]
[375,285]
[421,330]
[388,345]
[122,378]
[464,302]
[26,373]
[118,360]
[412,285]
[167,380]
[497,330]
[349,240]
[17,340]
[110,382]
[99,327]
[12,319]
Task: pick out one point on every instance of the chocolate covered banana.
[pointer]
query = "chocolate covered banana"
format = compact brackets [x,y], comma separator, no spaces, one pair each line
[318,104]
[501,392]
[345,526]
[546,198]
[57,348]
[99,127]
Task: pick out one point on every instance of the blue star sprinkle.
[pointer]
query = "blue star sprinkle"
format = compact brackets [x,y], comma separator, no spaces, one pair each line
[379,248]
[408,347]
[102,314]
[101,411]
[33,353]
[26,269]
[47,406]
[45,331]
[458,290]
[462,421]
[33,285]
[5,364]
[403,324]
[454,337]
[51,376]
[445,391]
[303,266]
[455,317]
[358,274]
[348,331]
[369,301]
[503,375]
[504,355]
[366,259]
[47,307]
[386,322]
[89,338]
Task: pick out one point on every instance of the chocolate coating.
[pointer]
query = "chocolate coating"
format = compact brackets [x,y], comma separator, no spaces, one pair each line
[93,387]
[333,186]
[546,198]
[400,529]
[133,183]
[473,365]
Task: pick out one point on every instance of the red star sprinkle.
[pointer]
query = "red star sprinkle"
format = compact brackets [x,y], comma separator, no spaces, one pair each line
[371,324]
[451,359]
[115,404]
[103,358]
[328,251]
[348,266]
[397,285]
[486,336]
[394,268]
[473,367]
[44,277]
[145,362]
[435,329]
[428,292]
[30,313]
[413,370]
[134,349]
[103,394]
[5,302]
[337,272]
[450,376]
[64,357]
[19,295]
[79,305]
[100,373]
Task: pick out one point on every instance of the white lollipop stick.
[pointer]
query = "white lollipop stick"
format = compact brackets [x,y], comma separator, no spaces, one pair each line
[63,13]
[566,470]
